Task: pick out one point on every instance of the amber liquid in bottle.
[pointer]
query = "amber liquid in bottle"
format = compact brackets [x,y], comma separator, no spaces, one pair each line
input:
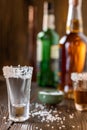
[72,49]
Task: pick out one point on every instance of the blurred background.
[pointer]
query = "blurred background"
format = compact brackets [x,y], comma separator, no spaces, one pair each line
[20,21]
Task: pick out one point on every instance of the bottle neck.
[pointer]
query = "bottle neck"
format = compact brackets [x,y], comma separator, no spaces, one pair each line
[48,22]
[48,17]
[74,19]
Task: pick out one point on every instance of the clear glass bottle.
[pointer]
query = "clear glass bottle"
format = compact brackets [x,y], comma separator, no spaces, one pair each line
[47,66]
[72,48]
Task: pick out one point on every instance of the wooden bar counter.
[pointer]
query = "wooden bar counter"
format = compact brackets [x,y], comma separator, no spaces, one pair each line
[62,116]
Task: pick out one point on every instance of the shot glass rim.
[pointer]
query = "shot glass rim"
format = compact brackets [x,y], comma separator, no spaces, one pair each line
[17,71]
[78,76]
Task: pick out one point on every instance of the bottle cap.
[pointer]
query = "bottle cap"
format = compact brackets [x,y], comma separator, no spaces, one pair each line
[74,2]
[48,7]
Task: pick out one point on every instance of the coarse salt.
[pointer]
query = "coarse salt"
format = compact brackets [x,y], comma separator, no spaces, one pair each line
[46,115]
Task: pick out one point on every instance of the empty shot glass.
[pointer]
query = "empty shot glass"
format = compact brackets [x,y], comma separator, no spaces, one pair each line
[80,90]
[18,80]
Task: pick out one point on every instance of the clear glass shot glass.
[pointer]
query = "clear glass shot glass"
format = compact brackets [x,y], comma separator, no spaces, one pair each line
[80,90]
[18,80]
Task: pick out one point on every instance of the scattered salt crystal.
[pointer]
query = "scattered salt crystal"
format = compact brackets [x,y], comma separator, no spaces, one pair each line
[39,105]
[63,126]
[61,122]
[64,118]
[36,127]
[59,118]
[56,115]
[48,125]
[50,110]
[60,128]
[71,116]
[5,122]
[55,111]
[49,115]
[52,127]
[73,126]
[43,119]
[60,112]
[4,117]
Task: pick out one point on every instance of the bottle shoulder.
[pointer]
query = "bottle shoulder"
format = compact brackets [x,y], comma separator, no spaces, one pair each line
[49,34]
[40,34]
[83,37]
[54,33]
[73,37]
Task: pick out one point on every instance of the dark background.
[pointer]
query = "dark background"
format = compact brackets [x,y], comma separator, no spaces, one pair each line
[20,21]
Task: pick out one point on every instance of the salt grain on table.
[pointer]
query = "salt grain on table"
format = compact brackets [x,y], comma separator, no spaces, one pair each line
[46,115]
[49,116]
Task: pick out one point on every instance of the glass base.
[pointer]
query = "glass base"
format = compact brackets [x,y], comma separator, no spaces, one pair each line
[81,107]
[18,119]
[19,112]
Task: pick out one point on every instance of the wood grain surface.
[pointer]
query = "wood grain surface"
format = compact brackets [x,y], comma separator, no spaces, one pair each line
[62,116]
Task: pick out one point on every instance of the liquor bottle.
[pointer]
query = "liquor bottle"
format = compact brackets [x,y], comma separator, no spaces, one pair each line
[47,66]
[72,48]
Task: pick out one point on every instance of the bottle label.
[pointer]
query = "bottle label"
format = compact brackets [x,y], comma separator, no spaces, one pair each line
[39,50]
[54,61]
[54,52]
[39,55]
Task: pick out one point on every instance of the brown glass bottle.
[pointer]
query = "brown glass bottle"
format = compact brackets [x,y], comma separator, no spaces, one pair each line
[72,48]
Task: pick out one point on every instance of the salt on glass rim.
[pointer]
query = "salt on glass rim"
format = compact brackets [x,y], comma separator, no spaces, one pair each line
[17,71]
[79,76]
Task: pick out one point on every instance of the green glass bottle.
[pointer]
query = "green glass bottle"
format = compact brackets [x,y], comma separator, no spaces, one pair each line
[47,53]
